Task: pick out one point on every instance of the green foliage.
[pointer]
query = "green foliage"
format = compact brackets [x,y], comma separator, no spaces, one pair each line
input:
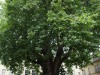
[34,30]
[62,71]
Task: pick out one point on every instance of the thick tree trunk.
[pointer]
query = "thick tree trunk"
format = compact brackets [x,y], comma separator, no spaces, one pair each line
[54,71]
[49,69]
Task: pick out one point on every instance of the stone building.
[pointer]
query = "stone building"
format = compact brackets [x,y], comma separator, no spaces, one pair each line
[91,69]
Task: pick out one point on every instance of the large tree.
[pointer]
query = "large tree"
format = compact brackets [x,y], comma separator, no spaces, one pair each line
[48,33]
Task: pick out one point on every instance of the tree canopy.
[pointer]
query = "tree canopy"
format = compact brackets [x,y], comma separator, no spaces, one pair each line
[48,33]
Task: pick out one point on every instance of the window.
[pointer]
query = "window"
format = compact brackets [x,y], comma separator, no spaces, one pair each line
[27,72]
[83,72]
[79,73]
[3,71]
[97,68]
[89,71]
[33,73]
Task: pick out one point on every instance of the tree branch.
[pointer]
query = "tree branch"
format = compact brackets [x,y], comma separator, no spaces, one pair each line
[60,51]
[65,56]
[37,61]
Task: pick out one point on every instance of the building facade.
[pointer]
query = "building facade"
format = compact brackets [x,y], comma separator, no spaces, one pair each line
[92,69]
[4,71]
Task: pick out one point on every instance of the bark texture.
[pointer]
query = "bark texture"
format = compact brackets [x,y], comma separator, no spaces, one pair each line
[51,68]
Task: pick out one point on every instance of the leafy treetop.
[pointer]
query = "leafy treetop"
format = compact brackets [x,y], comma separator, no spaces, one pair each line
[49,32]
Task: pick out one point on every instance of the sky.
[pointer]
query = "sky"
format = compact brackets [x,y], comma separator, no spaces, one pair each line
[2,0]
[0,3]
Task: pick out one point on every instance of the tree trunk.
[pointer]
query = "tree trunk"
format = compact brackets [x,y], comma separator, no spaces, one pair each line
[50,69]
[54,71]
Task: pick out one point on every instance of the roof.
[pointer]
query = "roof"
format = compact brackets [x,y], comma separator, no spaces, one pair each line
[96,59]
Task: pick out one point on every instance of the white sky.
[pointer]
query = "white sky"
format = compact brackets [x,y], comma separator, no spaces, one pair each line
[2,0]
